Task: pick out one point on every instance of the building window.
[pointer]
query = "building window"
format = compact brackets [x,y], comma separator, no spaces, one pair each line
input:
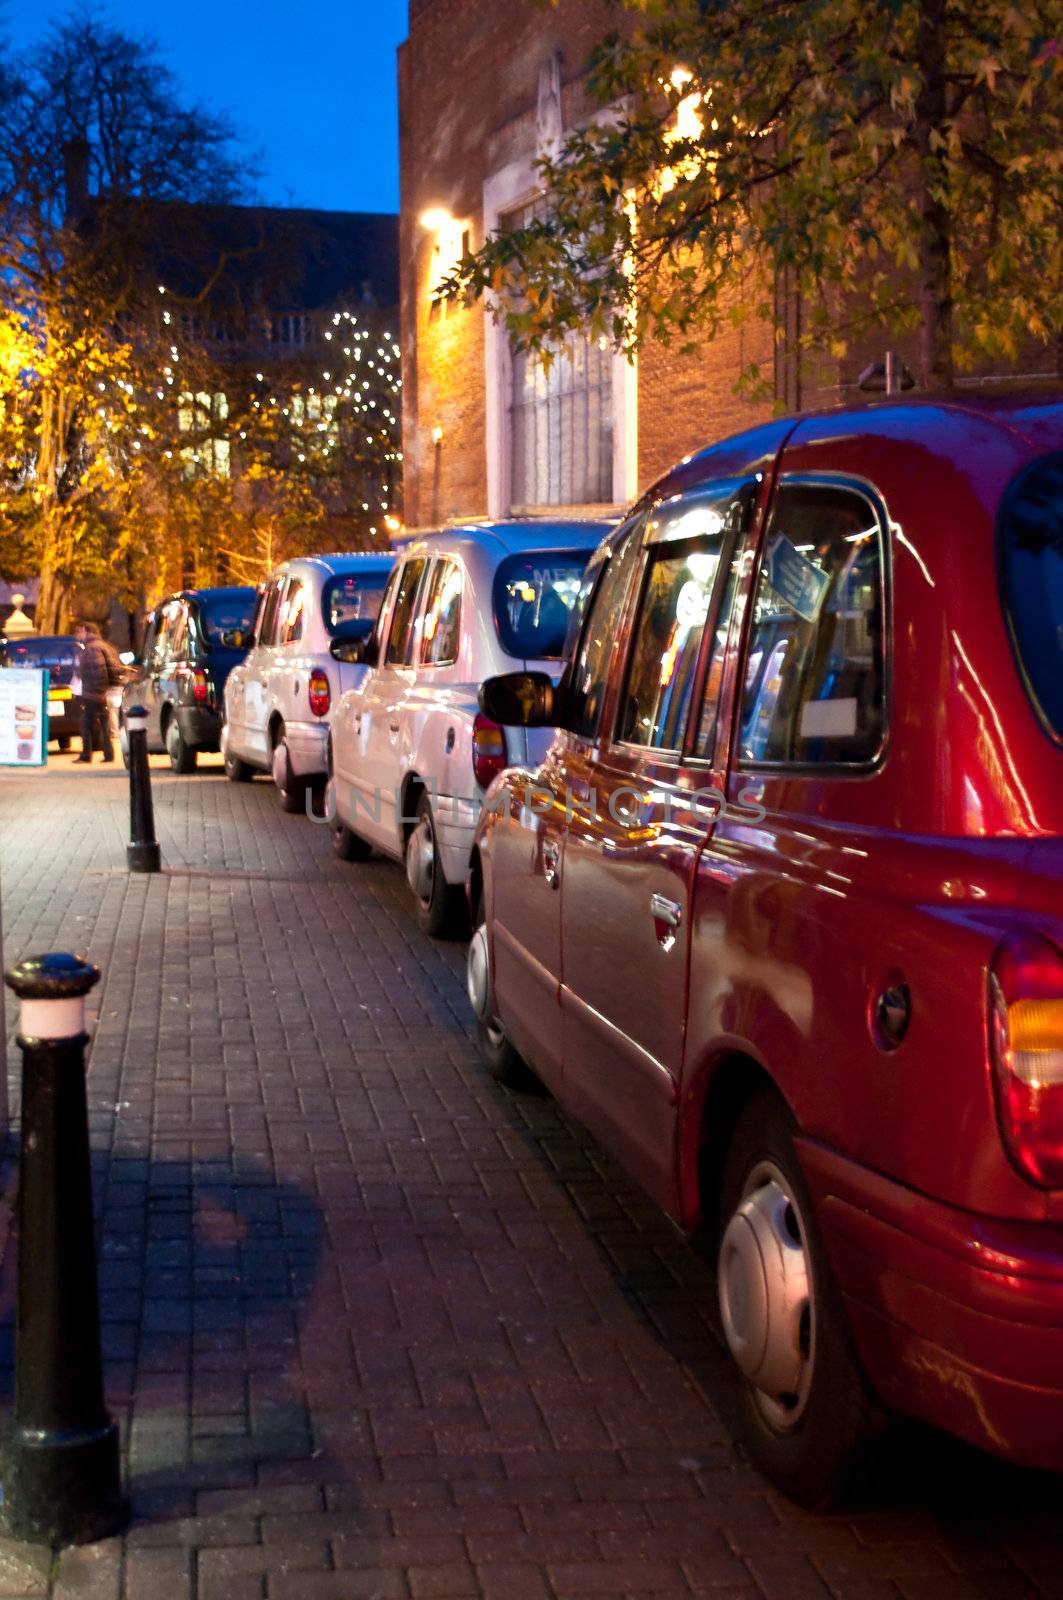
[292,329]
[560,419]
[204,415]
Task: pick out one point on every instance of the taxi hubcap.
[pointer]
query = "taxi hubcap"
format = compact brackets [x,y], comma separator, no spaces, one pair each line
[765,1289]
[420,861]
[478,974]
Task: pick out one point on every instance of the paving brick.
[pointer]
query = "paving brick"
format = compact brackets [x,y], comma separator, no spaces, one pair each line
[24,1568]
[231,1586]
[91,1572]
[509,1580]
[352,1550]
[586,1578]
[446,1582]
[368,1584]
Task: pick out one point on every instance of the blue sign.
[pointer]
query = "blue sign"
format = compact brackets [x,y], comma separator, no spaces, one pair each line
[795,579]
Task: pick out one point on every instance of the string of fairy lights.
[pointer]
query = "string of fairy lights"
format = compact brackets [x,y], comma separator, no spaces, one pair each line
[353,406]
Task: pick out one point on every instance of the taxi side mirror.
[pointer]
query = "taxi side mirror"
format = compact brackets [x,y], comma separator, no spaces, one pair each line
[355,652]
[520,700]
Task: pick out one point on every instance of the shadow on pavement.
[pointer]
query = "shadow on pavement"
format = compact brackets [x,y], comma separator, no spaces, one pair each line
[205,1274]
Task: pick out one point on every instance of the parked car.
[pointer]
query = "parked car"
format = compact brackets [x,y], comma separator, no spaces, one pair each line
[411,754]
[279,700]
[58,655]
[780,915]
[192,642]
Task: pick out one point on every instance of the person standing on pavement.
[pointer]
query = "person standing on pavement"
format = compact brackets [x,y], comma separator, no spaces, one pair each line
[99,668]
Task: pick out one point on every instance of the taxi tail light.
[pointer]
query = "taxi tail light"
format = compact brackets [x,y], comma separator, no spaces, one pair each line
[319,693]
[200,687]
[489,755]
[1026,1034]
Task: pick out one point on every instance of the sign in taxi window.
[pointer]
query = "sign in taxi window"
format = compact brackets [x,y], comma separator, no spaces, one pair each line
[23,717]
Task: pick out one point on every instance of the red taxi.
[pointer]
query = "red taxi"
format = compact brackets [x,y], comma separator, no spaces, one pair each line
[780,917]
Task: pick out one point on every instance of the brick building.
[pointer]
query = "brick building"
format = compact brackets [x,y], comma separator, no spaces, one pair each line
[483,90]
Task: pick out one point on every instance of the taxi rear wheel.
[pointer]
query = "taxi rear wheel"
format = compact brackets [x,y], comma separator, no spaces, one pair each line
[439,906]
[236,771]
[182,756]
[498,1055]
[807,1410]
[345,844]
[290,790]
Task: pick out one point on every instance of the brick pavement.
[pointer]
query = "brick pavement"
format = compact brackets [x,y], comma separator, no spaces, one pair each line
[373,1326]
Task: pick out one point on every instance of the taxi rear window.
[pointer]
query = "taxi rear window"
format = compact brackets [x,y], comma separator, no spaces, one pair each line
[534,594]
[1030,535]
[351,602]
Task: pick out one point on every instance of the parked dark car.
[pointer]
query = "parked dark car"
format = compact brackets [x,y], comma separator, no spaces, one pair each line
[188,652]
[780,916]
[58,655]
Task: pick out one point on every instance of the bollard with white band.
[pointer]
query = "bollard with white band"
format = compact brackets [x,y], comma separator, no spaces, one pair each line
[142,851]
[61,1471]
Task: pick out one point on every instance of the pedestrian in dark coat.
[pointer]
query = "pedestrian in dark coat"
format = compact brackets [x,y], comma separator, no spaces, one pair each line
[99,668]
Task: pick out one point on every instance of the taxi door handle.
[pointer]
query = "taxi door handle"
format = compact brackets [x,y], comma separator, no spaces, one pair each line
[665,910]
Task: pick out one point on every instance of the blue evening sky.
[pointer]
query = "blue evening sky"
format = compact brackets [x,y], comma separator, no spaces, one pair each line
[313,87]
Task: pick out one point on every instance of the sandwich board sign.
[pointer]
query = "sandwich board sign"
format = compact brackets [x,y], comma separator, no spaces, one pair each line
[23,717]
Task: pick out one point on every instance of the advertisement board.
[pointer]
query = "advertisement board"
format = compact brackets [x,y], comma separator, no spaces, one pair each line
[23,717]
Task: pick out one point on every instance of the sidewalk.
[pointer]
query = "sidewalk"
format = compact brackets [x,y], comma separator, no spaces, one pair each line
[374,1327]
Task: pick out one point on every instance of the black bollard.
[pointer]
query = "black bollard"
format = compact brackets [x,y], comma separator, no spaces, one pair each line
[142,851]
[61,1474]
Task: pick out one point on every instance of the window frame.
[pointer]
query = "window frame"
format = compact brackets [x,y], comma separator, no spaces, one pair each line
[412,614]
[296,586]
[365,584]
[633,529]
[440,564]
[731,545]
[180,636]
[854,484]
[275,587]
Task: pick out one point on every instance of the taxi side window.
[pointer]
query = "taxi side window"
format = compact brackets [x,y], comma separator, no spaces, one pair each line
[814,691]
[588,676]
[402,621]
[442,618]
[178,642]
[687,541]
[667,640]
[160,652]
[151,634]
[291,617]
[269,612]
[384,614]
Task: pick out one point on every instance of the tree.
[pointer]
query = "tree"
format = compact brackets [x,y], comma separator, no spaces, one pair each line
[315,453]
[902,164]
[94,112]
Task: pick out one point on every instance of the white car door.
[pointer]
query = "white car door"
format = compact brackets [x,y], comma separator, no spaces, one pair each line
[259,665]
[236,689]
[379,726]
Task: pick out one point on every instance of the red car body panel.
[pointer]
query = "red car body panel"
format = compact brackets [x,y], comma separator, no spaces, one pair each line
[811,894]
